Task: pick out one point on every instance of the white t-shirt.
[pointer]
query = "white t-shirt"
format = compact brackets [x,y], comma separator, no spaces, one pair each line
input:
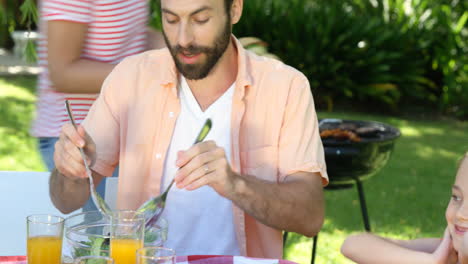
[200,221]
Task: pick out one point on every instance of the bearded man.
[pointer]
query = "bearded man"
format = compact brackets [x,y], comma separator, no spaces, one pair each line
[261,169]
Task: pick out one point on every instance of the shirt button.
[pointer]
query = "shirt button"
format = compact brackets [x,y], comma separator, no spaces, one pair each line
[171,114]
[158,156]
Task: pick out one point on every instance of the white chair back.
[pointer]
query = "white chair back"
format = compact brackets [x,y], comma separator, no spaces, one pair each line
[111,192]
[22,194]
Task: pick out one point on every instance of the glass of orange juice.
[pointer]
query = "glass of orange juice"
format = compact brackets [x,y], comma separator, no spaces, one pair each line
[44,234]
[156,255]
[127,236]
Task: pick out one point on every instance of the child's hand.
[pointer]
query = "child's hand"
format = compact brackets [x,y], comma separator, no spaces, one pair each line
[445,253]
[463,251]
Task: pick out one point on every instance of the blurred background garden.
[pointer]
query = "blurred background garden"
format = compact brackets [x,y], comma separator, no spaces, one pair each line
[401,62]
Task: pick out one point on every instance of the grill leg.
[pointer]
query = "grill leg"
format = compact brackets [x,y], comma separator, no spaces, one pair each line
[314,245]
[314,249]
[362,202]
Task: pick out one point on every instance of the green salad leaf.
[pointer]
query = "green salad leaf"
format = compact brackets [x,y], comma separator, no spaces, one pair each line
[95,247]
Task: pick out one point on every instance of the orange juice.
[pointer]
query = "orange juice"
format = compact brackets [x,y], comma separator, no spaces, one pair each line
[44,249]
[123,251]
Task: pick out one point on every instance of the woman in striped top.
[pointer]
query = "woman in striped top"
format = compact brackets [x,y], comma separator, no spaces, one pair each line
[81,41]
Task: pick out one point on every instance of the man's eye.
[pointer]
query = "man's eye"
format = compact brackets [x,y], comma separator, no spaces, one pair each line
[201,21]
[456,197]
[171,19]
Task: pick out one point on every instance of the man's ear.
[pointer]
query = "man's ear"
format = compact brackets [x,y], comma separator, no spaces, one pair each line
[236,11]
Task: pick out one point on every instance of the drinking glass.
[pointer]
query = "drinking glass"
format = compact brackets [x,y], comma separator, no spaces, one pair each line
[156,235]
[44,234]
[127,236]
[156,255]
[94,260]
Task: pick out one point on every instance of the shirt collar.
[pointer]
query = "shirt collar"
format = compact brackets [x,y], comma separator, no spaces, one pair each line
[244,78]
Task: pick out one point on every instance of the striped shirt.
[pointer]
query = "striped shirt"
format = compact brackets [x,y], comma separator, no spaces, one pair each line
[116,29]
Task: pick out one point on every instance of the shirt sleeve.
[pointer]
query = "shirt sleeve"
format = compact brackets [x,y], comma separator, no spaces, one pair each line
[103,123]
[300,146]
[68,10]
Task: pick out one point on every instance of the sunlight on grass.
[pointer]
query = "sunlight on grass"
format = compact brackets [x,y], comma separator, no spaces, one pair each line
[410,132]
[428,152]
[448,154]
[328,248]
[432,131]
[18,150]
[13,91]
[425,151]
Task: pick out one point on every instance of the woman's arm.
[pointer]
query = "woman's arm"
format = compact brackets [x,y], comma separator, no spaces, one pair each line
[155,39]
[69,72]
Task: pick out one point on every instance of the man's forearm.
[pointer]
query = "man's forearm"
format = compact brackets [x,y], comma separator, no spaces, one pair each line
[66,194]
[294,205]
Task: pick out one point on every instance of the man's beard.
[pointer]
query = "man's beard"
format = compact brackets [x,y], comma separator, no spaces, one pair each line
[213,54]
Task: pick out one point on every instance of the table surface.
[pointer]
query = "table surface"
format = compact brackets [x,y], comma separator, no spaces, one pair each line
[196,259]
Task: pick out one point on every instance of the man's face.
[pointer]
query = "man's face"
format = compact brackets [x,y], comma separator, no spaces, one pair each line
[197,33]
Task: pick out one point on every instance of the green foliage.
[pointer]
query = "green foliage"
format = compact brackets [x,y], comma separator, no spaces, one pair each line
[29,17]
[18,15]
[369,51]
[29,13]
[96,246]
[447,41]
[7,21]
[155,15]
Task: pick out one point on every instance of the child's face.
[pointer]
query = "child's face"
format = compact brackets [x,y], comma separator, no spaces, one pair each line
[457,210]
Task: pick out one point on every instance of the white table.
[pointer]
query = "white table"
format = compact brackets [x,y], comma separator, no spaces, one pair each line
[21,194]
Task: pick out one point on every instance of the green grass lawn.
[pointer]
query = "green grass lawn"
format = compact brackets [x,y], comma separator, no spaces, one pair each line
[405,200]
[18,150]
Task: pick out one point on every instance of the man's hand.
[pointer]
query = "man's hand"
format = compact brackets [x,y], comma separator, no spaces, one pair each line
[67,157]
[205,164]
[295,204]
[445,253]
[69,186]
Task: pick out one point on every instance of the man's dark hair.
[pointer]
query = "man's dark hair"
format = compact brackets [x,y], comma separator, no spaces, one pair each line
[228,5]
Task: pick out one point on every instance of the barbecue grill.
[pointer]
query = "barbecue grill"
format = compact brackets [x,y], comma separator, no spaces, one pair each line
[354,152]
[348,161]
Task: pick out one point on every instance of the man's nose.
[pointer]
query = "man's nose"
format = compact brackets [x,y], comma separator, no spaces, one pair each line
[185,36]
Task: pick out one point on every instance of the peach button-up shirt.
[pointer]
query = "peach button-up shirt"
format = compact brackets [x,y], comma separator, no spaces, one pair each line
[274,131]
